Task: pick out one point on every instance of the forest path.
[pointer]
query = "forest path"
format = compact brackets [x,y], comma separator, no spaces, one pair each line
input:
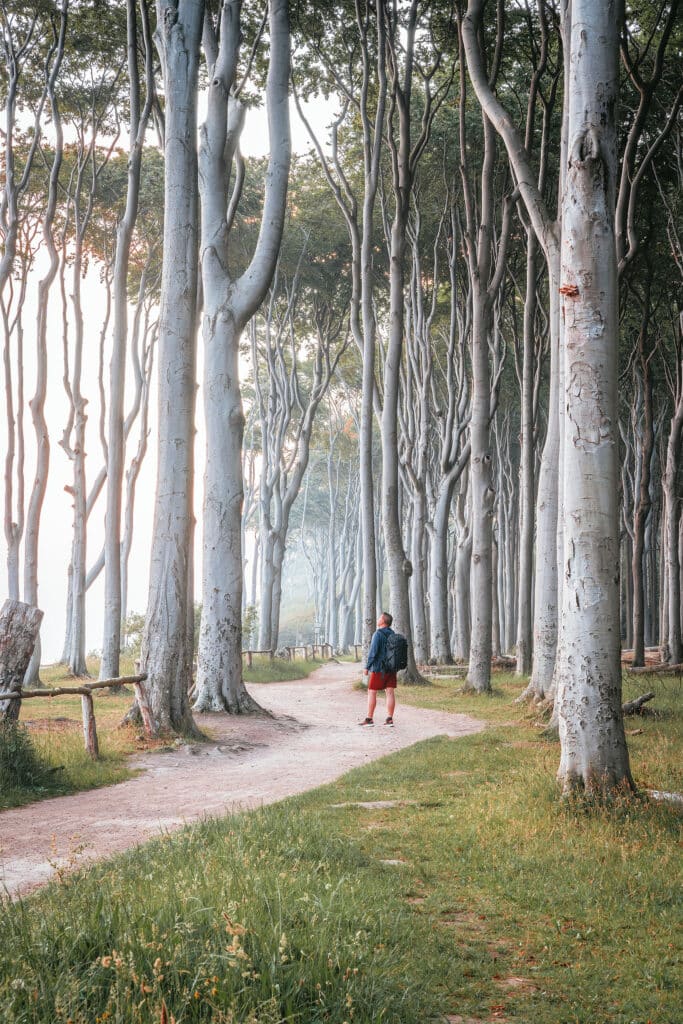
[312,738]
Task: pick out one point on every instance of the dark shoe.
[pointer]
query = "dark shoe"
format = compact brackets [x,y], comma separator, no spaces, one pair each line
[389,721]
[367,721]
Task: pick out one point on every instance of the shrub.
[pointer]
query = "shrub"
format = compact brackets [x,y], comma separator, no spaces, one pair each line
[20,765]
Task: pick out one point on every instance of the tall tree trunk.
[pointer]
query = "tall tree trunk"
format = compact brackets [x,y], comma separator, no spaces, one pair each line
[673,499]
[482,500]
[547,232]
[463,559]
[417,580]
[111,639]
[166,654]
[438,580]
[228,307]
[594,754]
[526,475]
[267,573]
[399,566]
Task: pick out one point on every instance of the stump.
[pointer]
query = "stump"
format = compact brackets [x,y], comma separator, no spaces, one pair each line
[19,625]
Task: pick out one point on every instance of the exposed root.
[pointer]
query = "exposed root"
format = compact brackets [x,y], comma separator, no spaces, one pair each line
[132,716]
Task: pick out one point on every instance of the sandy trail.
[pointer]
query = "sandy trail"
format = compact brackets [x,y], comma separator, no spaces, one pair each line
[313,738]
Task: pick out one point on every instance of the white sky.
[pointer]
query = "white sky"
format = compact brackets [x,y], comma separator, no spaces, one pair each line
[55,538]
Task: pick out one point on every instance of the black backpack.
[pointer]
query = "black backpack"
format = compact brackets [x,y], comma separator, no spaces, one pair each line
[395,653]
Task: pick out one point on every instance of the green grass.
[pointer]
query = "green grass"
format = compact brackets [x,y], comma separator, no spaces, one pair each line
[506,904]
[278,670]
[54,729]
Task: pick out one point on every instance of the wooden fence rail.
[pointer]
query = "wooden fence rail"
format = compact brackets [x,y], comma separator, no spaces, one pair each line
[88,706]
[309,651]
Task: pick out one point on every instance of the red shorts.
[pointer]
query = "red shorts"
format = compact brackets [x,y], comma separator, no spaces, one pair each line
[382,681]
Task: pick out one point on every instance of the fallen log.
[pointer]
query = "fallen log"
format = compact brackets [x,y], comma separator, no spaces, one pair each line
[19,625]
[503,661]
[634,707]
[661,668]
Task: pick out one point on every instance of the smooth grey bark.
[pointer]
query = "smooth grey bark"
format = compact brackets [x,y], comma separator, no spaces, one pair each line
[524,645]
[463,558]
[433,416]
[455,450]
[9,223]
[594,757]
[111,637]
[90,159]
[418,590]
[673,499]
[143,367]
[672,469]
[287,403]
[228,306]
[362,236]
[486,275]
[14,510]
[166,654]
[547,232]
[643,502]
[405,151]
[332,553]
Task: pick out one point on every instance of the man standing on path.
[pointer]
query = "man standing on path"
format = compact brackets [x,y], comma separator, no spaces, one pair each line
[378,679]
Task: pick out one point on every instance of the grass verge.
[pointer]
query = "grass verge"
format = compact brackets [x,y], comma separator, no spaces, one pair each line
[278,670]
[474,895]
[53,729]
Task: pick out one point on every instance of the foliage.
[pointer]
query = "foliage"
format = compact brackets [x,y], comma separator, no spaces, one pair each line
[250,627]
[46,757]
[21,768]
[133,628]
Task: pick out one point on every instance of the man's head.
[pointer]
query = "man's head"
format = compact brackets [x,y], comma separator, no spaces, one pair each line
[385,619]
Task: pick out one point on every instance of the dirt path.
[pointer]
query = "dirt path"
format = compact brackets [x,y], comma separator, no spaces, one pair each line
[313,738]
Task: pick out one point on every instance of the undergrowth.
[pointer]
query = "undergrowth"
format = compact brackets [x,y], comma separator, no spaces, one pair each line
[22,769]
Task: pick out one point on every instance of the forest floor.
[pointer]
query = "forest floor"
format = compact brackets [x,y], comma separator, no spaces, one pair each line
[310,737]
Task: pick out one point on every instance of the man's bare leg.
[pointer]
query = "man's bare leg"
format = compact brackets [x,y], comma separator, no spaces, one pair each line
[372,703]
[391,701]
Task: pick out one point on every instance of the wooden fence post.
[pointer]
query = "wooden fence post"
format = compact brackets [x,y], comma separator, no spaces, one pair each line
[89,728]
[145,710]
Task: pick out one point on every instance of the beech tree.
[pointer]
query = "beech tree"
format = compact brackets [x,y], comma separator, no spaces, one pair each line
[167,650]
[138,117]
[229,303]
[362,88]
[287,403]
[594,754]
[31,42]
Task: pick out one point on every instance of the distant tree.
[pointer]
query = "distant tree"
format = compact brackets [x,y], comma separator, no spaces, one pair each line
[140,106]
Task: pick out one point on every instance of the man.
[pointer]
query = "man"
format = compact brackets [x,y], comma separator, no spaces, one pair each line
[378,679]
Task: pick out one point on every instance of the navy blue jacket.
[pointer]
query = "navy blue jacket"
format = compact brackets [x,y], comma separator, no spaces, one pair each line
[375,662]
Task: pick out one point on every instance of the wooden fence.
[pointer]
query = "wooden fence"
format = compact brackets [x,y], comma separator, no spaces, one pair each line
[308,650]
[87,704]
